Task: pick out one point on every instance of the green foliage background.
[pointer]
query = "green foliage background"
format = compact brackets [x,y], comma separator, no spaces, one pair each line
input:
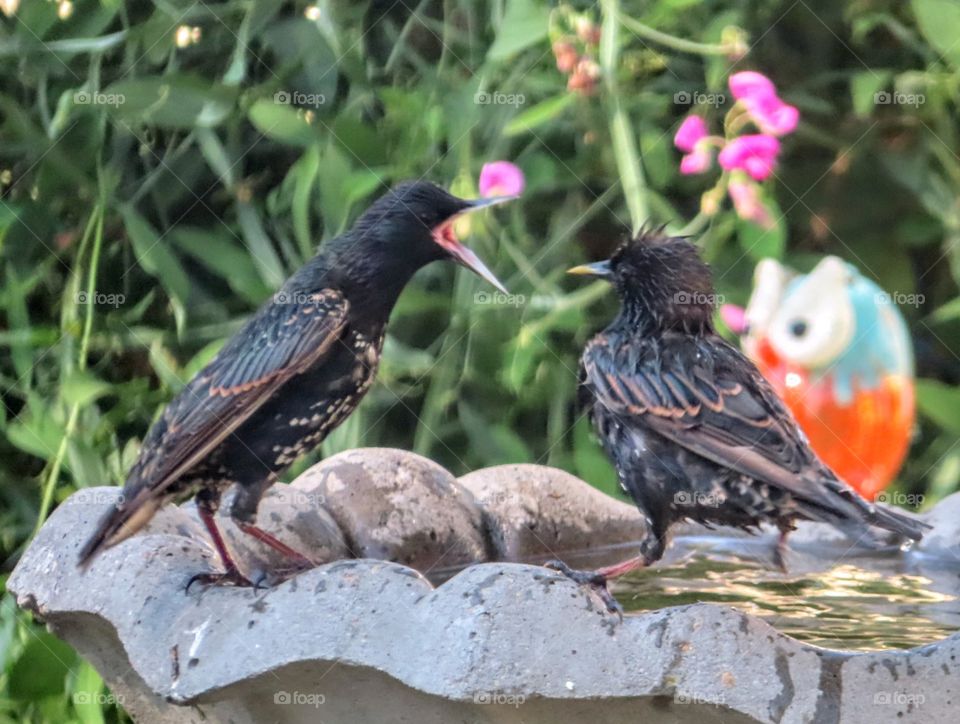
[179,210]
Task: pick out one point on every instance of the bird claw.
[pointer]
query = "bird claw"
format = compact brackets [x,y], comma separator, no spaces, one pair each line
[779,560]
[592,580]
[231,577]
[278,575]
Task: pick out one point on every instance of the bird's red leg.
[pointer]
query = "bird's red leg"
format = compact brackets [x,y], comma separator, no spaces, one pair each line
[597,580]
[622,568]
[261,535]
[231,574]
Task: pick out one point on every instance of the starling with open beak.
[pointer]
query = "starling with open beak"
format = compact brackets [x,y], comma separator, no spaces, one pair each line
[294,372]
[692,427]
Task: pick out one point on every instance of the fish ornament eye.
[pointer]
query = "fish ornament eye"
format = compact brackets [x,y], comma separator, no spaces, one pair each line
[816,320]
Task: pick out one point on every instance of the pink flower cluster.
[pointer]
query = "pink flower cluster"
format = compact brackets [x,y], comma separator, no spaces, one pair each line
[750,157]
[759,96]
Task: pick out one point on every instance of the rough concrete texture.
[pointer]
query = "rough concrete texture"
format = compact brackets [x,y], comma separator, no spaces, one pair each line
[533,511]
[374,641]
[398,506]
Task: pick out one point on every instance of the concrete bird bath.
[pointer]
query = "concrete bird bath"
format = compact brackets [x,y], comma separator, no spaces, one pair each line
[426,615]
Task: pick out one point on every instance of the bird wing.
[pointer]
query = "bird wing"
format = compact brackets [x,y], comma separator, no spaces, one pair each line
[708,398]
[281,341]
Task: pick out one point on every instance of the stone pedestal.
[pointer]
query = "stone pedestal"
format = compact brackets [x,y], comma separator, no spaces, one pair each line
[363,640]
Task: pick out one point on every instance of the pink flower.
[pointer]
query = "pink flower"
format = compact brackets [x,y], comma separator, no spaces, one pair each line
[759,96]
[696,162]
[774,117]
[691,131]
[501,178]
[750,85]
[735,317]
[691,137]
[756,154]
[747,202]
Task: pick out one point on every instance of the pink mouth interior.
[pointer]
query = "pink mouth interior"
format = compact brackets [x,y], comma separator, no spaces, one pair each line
[445,236]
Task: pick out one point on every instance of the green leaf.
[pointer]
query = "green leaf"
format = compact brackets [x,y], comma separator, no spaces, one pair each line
[166,367]
[82,388]
[154,255]
[537,115]
[760,243]
[282,122]
[522,356]
[224,257]
[86,464]
[658,161]
[939,21]
[949,311]
[524,24]
[306,175]
[41,669]
[215,155]
[864,87]
[202,358]
[170,101]
[940,402]
[36,430]
[401,360]
[18,318]
[332,177]
[309,63]
[88,695]
[265,257]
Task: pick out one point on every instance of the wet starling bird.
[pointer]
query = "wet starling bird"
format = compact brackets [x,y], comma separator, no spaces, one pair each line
[692,427]
[293,373]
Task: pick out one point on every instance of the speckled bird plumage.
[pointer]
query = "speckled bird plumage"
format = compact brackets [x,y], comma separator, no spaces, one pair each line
[692,427]
[294,371]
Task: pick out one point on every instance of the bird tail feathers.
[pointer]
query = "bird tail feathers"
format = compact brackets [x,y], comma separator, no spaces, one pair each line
[119,523]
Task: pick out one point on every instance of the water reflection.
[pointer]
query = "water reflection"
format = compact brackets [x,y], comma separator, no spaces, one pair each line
[835,594]
[863,605]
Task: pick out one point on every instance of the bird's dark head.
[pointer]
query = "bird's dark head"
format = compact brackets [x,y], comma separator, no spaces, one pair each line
[662,282]
[413,224]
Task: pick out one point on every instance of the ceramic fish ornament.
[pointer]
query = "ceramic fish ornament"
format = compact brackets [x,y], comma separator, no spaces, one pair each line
[837,350]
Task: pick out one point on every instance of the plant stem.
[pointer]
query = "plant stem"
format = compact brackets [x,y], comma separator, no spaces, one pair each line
[94,226]
[695,226]
[621,133]
[671,41]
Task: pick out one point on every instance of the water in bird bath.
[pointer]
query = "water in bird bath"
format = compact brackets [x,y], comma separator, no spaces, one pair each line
[833,594]
[843,607]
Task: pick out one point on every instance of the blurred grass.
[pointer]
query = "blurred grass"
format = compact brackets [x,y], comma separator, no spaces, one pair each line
[151,196]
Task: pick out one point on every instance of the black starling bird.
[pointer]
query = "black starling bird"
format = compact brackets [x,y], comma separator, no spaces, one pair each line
[293,373]
[693,429]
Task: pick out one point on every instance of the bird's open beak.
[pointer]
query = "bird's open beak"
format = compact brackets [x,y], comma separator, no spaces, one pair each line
[446,237]
[597,269]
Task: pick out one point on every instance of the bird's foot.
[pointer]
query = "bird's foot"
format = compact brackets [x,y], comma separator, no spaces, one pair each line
[595,581]
[276,576]
[230,577]
[780,553]
[779,560]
